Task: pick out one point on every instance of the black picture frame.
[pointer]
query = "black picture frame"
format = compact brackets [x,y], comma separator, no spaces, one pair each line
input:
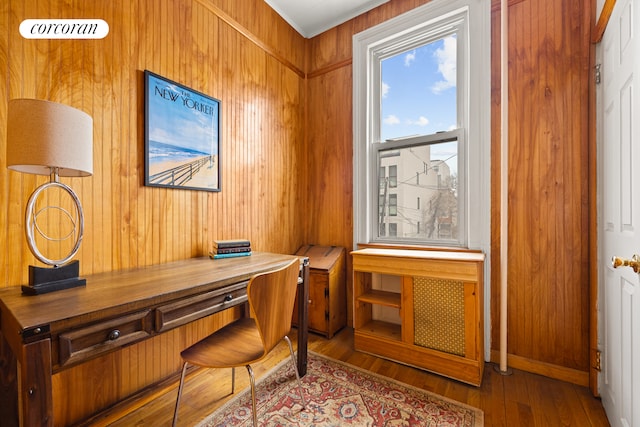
[182,136]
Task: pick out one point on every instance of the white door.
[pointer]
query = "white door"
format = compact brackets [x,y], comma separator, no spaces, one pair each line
[619,219]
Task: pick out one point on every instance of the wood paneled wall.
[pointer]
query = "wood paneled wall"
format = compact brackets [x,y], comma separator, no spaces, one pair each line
[239,51]
[549,193]
[200,43]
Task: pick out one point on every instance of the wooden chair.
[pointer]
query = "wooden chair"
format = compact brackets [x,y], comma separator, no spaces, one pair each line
[271,298]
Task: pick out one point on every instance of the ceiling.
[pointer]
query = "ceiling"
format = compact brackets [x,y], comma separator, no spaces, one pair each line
[312,17]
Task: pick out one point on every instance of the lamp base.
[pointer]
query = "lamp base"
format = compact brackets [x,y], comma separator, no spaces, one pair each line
[44,280]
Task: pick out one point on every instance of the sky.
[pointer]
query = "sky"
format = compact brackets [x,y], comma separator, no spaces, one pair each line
[181,117]
[419,90]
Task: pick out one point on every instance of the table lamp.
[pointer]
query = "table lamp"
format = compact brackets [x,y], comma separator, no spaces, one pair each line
[47,138]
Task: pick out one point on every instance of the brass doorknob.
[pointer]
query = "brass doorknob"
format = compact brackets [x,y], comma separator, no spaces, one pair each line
[634,262]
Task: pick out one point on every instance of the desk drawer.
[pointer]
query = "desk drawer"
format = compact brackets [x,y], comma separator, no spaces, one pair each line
[178,313]
[85,343]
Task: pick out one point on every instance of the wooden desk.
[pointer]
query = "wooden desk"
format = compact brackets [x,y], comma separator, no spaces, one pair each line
[48,333]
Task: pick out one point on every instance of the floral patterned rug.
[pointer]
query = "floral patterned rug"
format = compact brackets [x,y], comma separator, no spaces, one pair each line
[339,394]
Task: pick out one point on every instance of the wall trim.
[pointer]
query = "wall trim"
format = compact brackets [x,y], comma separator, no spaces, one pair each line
[329,68]
[550,370]
[250,36]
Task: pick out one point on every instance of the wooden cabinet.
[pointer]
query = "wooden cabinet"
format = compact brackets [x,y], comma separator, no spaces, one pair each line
[439,309]
[327,288]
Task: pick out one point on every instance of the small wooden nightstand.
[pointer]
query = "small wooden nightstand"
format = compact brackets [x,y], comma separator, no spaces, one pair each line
[327,288]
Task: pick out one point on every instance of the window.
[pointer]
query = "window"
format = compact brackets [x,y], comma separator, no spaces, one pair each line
[420,114]
[393,176]
[393,204]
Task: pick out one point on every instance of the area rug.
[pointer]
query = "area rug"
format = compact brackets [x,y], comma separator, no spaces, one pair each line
[339,394]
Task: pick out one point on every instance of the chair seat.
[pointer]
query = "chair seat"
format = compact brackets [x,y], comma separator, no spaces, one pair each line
[237,344]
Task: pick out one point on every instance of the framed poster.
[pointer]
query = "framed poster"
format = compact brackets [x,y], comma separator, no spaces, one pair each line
[182,136]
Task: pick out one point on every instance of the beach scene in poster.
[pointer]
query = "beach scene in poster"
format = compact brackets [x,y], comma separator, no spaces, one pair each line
[182,136]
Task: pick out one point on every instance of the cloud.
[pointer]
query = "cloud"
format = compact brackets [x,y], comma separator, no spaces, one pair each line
[422,121]
[385,89]
[446,57]
[409,58]
[391,120]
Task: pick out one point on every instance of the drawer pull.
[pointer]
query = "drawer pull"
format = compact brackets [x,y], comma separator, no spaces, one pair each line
[114,335]
[228,298]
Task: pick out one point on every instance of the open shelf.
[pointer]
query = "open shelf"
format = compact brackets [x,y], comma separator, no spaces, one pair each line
[382,329]
[389,299]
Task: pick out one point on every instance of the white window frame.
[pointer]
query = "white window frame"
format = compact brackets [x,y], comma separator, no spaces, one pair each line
[474,115]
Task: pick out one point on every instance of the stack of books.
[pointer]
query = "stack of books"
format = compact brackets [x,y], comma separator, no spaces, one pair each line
[230,248]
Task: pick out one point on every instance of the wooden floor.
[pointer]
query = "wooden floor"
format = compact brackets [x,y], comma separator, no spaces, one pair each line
[520,399]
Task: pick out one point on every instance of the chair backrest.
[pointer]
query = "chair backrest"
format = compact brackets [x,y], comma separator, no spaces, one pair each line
[271,297]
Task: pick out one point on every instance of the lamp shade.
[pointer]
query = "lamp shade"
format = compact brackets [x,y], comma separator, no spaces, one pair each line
[42,135]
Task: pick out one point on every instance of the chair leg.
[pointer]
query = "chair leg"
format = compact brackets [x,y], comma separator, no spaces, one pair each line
[233,380]
[295,369]
[253,396]
[175,413]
